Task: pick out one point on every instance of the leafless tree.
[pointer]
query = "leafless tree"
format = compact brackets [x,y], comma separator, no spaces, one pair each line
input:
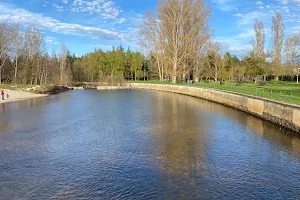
[177,35]
[17,47]
[201,13]
[277,41]
[63,61]
[5,40]
[151,40]
[259,43]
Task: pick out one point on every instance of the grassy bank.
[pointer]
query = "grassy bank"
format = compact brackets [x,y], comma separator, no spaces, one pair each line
[282,91]
[35,89]
[13,86]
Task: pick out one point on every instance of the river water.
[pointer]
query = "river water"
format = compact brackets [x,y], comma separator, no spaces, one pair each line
[135,144]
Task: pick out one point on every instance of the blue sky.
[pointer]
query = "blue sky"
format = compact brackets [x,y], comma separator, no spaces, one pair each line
[88,24]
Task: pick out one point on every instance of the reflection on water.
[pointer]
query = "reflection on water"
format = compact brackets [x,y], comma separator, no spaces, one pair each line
[142,145]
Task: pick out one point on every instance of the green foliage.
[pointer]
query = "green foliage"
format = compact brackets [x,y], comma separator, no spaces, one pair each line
[255,65]
[100,65]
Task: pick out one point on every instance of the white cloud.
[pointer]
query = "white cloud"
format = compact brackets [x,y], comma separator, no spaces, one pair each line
[58,8]
[261,7]
[121,20]
[238,15]
[235,47]
[296,30]
[286,9]
[259,3]
[24,17]
[51,40]
[267,6]
[105,8]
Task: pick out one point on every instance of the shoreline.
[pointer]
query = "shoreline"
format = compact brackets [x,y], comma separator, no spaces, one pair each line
[20,95]
[284,115]
[16,95]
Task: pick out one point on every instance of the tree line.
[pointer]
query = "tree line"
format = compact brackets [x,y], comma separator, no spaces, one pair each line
[24,59]
[178,45]
[179,40]
[110,66]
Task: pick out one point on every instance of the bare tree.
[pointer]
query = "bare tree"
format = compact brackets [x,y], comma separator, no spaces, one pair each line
[174,15]
[277,41]
[17,47]
[5,39]
[63,61]
[200,19]
[259,44]
[177,36]
[151,40]
[292,51]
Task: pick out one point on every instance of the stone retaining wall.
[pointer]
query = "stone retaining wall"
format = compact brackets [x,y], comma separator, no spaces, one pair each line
[285,115]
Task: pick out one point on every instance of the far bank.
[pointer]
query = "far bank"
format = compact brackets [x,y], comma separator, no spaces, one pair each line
[283,114]
[24,93]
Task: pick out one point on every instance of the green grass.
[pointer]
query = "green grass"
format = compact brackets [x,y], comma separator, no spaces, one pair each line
[288,92]
[13,86]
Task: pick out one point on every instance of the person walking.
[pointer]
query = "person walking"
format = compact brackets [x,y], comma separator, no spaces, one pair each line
[2,94]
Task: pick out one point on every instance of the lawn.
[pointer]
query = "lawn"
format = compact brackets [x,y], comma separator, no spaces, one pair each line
[13,86]
[282,91]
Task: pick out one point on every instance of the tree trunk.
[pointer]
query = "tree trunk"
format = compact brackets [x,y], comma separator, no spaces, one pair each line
[256,79]
[160,71]
[216,73]
[16,70]
[111,78]
[131,71]
[297,79]
[174,72]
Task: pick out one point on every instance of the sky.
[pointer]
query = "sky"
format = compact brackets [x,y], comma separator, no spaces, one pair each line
[88,24]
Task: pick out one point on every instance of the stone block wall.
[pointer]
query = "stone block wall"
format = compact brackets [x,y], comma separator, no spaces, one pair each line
[285,115]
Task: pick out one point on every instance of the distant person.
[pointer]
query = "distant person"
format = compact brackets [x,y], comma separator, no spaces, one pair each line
[2,94]
[7,96]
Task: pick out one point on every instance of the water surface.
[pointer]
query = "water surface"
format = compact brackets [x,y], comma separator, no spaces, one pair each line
[134,144]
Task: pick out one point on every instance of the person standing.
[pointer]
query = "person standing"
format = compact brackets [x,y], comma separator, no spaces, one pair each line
[2,94]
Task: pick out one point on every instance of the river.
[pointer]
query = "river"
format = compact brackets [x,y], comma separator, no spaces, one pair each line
[135,144]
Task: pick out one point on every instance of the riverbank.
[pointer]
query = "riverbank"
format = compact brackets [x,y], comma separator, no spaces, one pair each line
[15,95]
[20,94]
[283,114]
[279,91]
